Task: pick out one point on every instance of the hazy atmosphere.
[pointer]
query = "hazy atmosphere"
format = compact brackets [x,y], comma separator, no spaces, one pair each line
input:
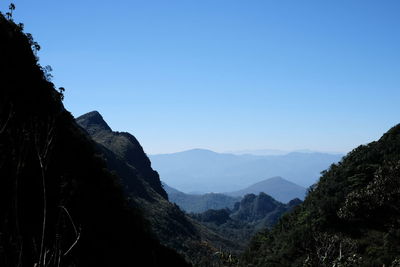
[209,133]
[226,75]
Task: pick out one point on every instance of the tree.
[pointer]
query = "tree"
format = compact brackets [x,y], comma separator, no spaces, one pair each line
[11,8]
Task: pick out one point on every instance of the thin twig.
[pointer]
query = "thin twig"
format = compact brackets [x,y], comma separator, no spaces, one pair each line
[5,124]
[70,218]
[78,234]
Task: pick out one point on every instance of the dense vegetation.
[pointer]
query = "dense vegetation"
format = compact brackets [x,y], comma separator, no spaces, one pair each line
[252,214]
[59,205]
[350,217]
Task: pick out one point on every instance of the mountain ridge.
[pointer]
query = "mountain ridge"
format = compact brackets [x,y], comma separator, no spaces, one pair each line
[277,187]
[248,216]
[227,172]
[124,145]
[59,205]
[125,156]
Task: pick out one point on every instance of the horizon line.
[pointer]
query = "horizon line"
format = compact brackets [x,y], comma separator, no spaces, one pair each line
[255,152]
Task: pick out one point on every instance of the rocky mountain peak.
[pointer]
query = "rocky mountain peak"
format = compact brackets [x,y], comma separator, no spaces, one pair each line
[93,122]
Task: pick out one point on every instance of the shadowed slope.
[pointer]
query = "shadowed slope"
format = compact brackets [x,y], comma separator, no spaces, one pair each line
[124,146]
[141,183]
[59,205]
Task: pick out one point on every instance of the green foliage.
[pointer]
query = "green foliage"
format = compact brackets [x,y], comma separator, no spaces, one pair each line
[217,217]
[250,215]
[350,217]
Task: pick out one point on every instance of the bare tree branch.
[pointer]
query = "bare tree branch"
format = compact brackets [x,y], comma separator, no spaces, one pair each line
[43,146]
[78,234]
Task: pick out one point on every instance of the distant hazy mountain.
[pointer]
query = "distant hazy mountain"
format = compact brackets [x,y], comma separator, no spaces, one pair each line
[270,152]
[277,187]
[200,203]
[259,152]
[208,171]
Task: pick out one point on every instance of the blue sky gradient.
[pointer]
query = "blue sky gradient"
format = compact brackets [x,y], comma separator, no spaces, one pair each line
[226,75]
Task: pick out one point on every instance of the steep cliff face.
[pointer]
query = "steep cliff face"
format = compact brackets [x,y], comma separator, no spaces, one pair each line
[126,158]
[59,205]
[126,149]
[349,218]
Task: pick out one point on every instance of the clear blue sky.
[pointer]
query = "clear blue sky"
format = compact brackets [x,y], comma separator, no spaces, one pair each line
[226,75]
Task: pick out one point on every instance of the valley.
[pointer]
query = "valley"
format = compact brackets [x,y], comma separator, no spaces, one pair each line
[81,191]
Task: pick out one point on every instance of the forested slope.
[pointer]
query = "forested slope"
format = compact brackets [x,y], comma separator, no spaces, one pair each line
[351,217]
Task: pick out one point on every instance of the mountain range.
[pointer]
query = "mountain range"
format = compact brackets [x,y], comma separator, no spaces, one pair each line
[125,157]
[208,171]
[277,187]
[74,193]
[248,216]
[241,216]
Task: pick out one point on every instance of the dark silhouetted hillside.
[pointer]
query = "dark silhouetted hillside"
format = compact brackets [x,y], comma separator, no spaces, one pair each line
[59,205]
[126,149]
[126,158]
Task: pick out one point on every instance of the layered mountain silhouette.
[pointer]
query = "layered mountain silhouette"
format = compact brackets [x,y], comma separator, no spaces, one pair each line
[253,213]
[76,193]
[126,158]
[200,203]
[277,187]
[207,171]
